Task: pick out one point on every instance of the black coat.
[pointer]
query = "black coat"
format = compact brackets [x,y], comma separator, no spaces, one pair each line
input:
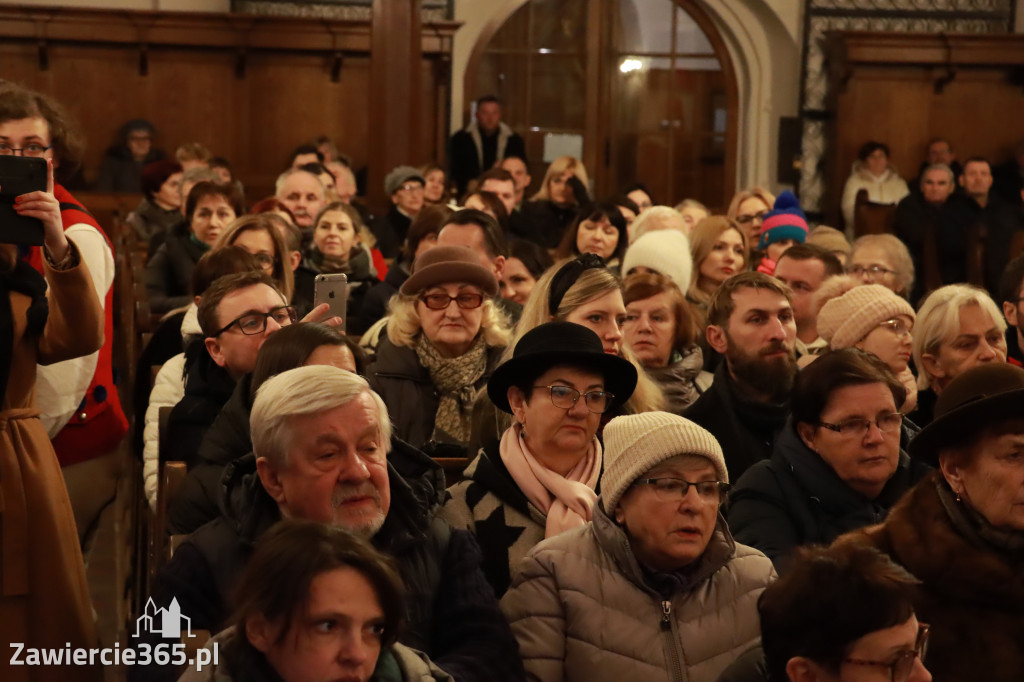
[465,163]
[390,230]
[916,224]
[228,439]
[961,218]
[746,430]
[169,272]
[412,400]
[796,498]
[375,305]
[453,615]
[207,387]
[543,222]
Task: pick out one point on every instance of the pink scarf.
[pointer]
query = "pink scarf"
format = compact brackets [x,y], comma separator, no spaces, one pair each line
[568,501]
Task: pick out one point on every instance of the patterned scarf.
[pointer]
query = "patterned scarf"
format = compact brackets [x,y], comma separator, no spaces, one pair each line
[455,379]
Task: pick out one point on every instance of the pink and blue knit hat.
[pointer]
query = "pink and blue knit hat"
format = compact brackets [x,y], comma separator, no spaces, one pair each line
[786,220]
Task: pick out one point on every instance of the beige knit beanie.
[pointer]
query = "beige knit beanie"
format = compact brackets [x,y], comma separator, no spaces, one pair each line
[635,443]
[846,319]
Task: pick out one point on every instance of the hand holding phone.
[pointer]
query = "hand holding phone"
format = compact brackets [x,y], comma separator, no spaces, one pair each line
[332,290]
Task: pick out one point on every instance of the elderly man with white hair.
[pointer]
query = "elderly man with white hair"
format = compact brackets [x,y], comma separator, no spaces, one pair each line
[323,452]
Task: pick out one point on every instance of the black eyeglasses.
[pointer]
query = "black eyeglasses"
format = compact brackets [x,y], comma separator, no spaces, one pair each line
[441,301]
[750,217]
[256,323]
[675,489]
[886,423]
[901,667]
[33,149]
[565,398]
[871,271]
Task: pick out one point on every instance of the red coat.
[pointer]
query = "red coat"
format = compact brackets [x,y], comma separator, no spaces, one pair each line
[98,424]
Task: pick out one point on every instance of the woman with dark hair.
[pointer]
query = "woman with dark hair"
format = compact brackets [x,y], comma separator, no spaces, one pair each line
[836,467]
[159,212]
[314,603]
[339,247]
[872,173]
[228,438]
[523,267]
[121,167]
[600,230]
[209,209]
[878,636]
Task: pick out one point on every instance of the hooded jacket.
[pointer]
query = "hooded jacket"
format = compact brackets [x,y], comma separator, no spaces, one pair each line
[452,613]
[796,498]
[583,610]
[971,593]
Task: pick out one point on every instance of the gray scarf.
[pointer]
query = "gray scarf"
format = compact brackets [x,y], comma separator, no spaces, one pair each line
[455,379]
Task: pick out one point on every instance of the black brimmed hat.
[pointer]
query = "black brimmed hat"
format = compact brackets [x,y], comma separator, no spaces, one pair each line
[980,396]
[562,343]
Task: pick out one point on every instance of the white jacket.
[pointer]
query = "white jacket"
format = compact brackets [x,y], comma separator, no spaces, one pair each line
[887,188]
[168,390]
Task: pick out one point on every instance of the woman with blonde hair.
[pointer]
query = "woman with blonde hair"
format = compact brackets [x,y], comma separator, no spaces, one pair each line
[444,338]
[747,209]
[552,209]
[719,249]
[258,235]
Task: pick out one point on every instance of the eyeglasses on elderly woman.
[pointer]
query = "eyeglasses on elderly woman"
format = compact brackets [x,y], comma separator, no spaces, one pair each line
[565,398]
[675,489]
[886,423]
[440,301]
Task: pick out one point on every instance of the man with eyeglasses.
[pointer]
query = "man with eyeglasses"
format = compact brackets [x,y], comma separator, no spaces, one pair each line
[78,399]
[236,314]
[404,185]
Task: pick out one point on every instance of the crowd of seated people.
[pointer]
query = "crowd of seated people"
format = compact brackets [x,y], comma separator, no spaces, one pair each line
[555,436]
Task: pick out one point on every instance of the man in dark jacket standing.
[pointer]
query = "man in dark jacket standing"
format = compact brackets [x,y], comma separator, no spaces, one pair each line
[482,143]
[916,224]
[321,441]
[751,323]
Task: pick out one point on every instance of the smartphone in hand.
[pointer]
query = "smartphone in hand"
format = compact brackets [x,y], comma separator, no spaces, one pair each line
[333,290]
[20,175]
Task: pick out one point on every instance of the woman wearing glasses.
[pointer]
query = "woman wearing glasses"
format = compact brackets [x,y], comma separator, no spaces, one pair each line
[444,338]
[655,588]
[874,319]
[748,208]
[259,235]
[961,530]
[836,467]
[882,259]
[540,479]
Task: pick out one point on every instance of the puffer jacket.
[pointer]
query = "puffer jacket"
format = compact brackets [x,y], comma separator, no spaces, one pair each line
[168,390]
[583,611]
[411,397]
[397,663]
[795,498]
[888,188]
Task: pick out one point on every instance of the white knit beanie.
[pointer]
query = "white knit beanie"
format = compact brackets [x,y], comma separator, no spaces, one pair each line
[664,251]
[846,319]
[635,443]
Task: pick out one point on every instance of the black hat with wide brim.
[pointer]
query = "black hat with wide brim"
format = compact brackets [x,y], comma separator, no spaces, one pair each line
[562,343]
[977,398]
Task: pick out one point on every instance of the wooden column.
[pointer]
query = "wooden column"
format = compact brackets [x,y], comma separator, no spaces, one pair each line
[395,57]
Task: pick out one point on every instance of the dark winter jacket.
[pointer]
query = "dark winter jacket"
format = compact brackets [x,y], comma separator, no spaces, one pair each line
[362,278]
[916,223]
[796,498]
[197,501]
[169,272]
[543,222]
[962,221]
[746,430]
[149,220]
[390,230]
[411,397]
[120,172]
[971,593]
[452,613]
[207,387]
[375,305]
[471,152]
[490,505]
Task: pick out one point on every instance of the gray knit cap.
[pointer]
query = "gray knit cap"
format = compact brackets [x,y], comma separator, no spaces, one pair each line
[635,443]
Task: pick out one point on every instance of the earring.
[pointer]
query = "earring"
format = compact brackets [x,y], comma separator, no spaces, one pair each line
[958,497]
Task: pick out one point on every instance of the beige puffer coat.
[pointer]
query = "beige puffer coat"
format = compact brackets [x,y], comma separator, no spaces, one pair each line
[582,611]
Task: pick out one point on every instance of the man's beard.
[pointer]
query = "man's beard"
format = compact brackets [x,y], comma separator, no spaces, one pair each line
[772,377]
[365,524]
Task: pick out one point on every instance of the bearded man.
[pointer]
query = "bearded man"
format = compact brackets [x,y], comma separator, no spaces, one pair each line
[751,323]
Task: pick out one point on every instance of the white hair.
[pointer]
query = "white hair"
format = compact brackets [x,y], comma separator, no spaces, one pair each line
[305,391]
[279,184]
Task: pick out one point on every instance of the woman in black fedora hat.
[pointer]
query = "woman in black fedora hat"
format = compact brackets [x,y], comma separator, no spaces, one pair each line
[540,479]
[961,530]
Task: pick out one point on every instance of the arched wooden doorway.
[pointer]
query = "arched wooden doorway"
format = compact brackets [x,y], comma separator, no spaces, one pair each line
[647,85]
